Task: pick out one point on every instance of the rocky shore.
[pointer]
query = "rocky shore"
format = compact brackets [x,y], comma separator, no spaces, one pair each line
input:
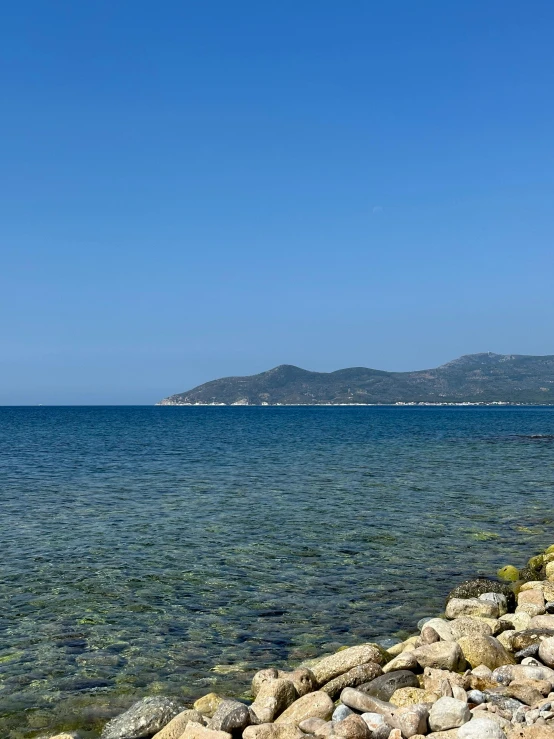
[482,670]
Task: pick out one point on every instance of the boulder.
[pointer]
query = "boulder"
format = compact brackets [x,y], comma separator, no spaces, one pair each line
[546,651]
[336,664]
[407,697]
[477,586]
[442,627]
[207,704]
[433,679]
[366,703]
[144,719]
[443,655]
[542,622]
[498,598]
[312,705]
[351,679]
[448,713]
[194,730]
[484,650]
[525,693]
[481,728]
[517,621]
[384,686]
[273,731]
[230,716]
[529,637]
[273,698]
[404,661]
[520,673]
[429,635]
[261,677]
[176,727]
[467,626]
[412,720]
[352,727]
[457,607]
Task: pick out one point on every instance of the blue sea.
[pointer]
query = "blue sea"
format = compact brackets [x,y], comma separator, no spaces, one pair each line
[175,551]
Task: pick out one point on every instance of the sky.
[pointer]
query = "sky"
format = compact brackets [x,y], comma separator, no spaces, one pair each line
[190,190]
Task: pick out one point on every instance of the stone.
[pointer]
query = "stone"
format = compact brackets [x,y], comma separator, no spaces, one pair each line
[195,730]
[504,705]
[546,651]
[273,698]
[176,727]
[467,626]
[376,723]
[404,661]
[442,655]
[312,705]
[144,719]
[457,607]
[429,635]
[404,697]
[352,727]
[498,598]
[542,622]
[351,679]
[207,704]
[442,627]
[412,720]
[520,673]
[550,571]
[484,650]
[303,680]
[448,713]
[534,596]
[509,573]
[261,677]
[273,731]
[528,637]
[531,732]
[481,728]
[366,703]
[336,664]
[384,686]
[505,638]
[517,621]
[525,693]
[482,671]
[230,716]
[315,726]
[476,697]
[341,712]
[433,679]
[477,586]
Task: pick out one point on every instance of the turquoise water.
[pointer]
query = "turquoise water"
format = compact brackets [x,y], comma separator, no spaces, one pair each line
[177,550]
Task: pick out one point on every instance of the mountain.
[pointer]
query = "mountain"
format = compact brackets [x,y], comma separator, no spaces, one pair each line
[475,378]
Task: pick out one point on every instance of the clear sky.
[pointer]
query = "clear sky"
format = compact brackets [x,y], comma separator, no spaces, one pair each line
[196,189]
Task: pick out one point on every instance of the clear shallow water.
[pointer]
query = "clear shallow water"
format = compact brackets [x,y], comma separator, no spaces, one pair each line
[177,550]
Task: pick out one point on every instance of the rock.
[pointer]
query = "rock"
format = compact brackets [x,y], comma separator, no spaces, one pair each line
[531,732]
[175,728]
[481,728]
[476,587]
[315,726]
[505,638]
[336,664]
[351,679]
[442,655]
[442,627]
[303,680]
[273,731]
[528,637]
[546,651]
[550,571]
[429,635]
[433,679]
[194,730]
[404,697]
[448,713]
[384,686]
[207,704]
[517,621]
[366,703]
[482,671]
[531,651]
[504,705]
[144,719]
[352,727]
[484,650]
[525,693]
[375,722]
[457,607]
[509,572]
[273,698]
[65,735]
[312,705]
[412,720]
[533,597]
[476,697]
[520,673]
[404,661]
[341,712]
[542,622]
[230,716]
[467,626]
[549,606]
[498,598]
[261,677]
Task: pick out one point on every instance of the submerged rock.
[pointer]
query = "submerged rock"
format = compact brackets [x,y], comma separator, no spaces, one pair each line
[144,719]
[479,585]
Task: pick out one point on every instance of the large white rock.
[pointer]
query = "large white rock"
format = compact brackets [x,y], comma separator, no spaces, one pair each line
[457,607]
[481,728]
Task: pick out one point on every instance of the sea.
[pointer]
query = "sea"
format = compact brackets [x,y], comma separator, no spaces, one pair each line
[176,550]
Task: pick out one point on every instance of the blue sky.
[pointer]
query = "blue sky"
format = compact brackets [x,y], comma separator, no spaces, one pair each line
[196,189]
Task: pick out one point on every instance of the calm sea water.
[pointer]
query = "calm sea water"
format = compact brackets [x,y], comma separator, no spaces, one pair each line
[177,550]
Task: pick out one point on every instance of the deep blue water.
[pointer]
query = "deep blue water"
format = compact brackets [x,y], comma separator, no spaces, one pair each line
[177,550]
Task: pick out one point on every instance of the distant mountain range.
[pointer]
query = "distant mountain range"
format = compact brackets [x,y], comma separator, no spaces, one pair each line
[473,378]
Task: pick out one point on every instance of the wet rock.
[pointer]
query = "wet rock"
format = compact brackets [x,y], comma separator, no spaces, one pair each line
[546,651]
[176,727]
[509,572]
[385,686]
[341,712]
[336,664]
[467,626]
[273,731]
[352,727]
[404,661]
[442,655]
[457,607]
[484,650]
[312,705]
[448,713]
[207,704]
[230,716]
[194,730]
[273,697]
[144,719]
[481,728]
[477,586]
[351,679]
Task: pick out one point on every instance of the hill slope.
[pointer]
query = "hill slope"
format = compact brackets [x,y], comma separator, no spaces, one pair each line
[482,378]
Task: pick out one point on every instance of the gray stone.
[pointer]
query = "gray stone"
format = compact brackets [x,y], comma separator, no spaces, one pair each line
[230,716]
[144,719]
[341,712]
[481,728]
[519,673]
[366,703]
[498,598]
[448,713]
[477,697]
[384,686]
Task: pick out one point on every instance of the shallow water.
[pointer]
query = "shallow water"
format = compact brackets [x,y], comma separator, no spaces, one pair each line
[177,550]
